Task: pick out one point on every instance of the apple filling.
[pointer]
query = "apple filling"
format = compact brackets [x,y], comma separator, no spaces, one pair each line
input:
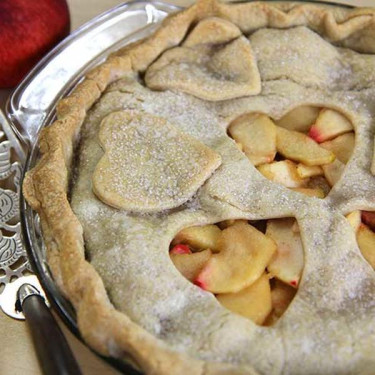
[363,224]
[253,268]
[306,150]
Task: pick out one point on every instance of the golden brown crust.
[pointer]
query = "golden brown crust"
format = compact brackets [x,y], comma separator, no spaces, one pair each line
[211,76]
[335,24]
[45,187]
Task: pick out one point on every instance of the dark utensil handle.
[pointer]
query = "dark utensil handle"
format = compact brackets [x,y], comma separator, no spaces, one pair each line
[53,352]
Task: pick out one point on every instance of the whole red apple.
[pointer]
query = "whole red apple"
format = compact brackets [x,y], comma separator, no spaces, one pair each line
[28,30]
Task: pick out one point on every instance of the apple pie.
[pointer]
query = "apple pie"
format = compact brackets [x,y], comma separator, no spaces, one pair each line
[207,194]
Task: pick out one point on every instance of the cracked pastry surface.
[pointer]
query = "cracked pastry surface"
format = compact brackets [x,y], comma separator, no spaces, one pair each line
[329,326]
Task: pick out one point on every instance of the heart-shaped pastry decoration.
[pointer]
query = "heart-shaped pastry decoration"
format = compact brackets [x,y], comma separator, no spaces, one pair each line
[149,165]
[214,63]
[306,150]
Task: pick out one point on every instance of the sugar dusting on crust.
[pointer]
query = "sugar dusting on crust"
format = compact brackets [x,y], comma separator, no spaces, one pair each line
[170,166]
[302,56]
[319,329]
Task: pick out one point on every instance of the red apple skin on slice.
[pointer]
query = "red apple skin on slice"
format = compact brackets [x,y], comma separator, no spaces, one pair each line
[199,237]
[368,217]
[342,146]
[299,119]
[191,264]
[366,243]
[287,264]
[301,148]
[257,134]
[253,302]
[328,125]
[180,249]
[243,257]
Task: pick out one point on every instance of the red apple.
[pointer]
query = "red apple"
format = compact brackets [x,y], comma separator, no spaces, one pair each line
[28,30]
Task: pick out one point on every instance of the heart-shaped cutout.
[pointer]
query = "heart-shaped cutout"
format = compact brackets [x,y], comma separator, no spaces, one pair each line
[253,268]
[306,150]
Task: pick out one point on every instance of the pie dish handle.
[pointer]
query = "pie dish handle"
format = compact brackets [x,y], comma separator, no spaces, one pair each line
[32,104]
[53,351]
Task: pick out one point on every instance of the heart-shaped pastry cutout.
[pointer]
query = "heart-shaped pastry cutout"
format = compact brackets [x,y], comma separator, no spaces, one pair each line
[253,268]
[214,63]
[149,165]
[306,150]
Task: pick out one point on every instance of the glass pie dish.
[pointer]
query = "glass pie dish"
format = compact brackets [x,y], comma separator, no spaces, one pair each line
[32,106]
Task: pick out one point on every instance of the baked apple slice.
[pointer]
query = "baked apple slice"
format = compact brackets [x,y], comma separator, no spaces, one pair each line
[342,146]
[190,264]
[354,219]
[199,237]
[306,171]
[329,124]
[283,172]
[281,296]
[366,243]
[257,134]
[238,275]
[300,148]
[243,257]
[301,163]
[239,146]
[253,302]
[287,263]
[299,119]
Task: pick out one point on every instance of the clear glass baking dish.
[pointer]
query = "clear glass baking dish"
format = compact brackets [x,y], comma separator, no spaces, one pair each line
[32,105]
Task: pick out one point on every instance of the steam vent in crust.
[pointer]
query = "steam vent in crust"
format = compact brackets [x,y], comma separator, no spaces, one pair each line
[207,194]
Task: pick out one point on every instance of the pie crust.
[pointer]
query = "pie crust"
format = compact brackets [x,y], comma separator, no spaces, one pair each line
[131,302]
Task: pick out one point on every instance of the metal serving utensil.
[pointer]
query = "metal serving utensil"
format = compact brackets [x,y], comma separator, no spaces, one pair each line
[21,296]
